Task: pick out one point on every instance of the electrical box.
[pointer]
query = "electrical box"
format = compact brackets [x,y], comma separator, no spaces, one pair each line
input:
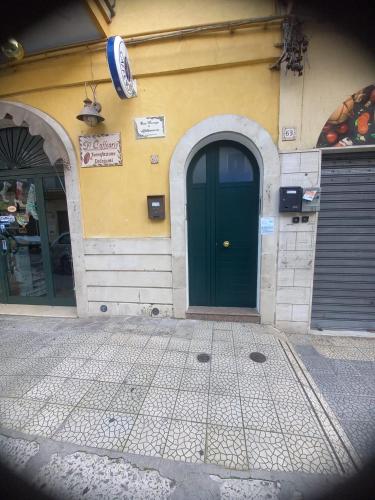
[311,199]
[156,207]
[290,199]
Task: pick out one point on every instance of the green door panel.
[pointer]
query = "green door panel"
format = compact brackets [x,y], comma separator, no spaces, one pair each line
[223,206]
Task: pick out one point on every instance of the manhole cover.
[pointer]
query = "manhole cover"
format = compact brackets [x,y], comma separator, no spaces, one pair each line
[258,357]
[203,357]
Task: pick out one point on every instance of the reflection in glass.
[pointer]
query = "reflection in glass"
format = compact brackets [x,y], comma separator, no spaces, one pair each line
[199,173]
[19,223]
[234,166]
[58,235]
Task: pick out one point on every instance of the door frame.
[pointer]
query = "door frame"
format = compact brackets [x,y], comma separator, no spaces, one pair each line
[258,141]
[57,146]
[38,174]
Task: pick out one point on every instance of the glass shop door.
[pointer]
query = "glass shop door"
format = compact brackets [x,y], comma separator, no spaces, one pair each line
[35,250]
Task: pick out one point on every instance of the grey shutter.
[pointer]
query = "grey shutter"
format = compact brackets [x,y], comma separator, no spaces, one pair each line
[344,277]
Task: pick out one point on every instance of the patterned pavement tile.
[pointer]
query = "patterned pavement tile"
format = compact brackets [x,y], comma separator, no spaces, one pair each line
[174,358]
[192,363]
[222,336]
[78,426]
[177,344]
[222,362]
[99,395]
[244,350]
[104,353]
[253,387]
[191,406]
[127,355]
[148,436]
[260,414]
[159,342]
[246,366]
[362,436]
[200,346]
[278,368]
[82,351]
[91,369]
[272,352]
[67,367]
[112,431]
[16,386]
[138,341]
[168,377]
[141,374]
[224,410]
[186,441]
[128,399]
[70,391]
[15,415]
[159,402]
[151,357]
[297,419]
[45,388]
[195,380]
[353,407]
[267,451]
[226,348]
[222,325]
[43,366]
[46,421]
[310,455]
[226,446]
[224,383]
[114,372]
[286,390]
[265,339]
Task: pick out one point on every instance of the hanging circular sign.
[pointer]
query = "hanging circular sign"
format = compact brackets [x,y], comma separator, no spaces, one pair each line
[12,208]
[119,67]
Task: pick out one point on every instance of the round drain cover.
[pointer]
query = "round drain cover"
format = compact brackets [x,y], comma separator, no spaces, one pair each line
[203,357]
[258,357]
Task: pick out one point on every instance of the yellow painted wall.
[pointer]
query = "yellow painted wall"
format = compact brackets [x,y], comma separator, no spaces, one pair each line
[185,80]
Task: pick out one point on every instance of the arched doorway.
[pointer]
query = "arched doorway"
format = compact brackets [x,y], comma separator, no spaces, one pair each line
[222,215]
[36,257]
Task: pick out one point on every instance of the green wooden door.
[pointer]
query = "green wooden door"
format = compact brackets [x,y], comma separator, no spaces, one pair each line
[35,249]
[223,212]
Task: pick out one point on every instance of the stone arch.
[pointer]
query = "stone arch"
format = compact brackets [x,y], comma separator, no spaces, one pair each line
[255,138]
[58,147]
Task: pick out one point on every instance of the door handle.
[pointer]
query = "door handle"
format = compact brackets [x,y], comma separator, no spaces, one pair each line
[3,246]
[226,244]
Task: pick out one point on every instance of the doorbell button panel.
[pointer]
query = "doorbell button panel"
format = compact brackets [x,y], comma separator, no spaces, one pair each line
[290,199]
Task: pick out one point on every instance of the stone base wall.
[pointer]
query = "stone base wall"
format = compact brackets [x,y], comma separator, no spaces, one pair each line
[295,266]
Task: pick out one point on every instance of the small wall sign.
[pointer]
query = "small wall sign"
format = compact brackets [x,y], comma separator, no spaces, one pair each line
[289,133]
[267,225]
[149,127]
[100,150]
[119,68]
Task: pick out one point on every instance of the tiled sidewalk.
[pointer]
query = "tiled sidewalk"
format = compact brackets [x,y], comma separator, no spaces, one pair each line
[344,370]
[135,385]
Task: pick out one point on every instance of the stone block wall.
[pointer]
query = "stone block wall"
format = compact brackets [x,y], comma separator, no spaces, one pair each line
[296,249]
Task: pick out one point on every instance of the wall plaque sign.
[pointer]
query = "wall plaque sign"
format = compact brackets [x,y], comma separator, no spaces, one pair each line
[149,127]
[267,225]
[100,150]
[289,133]
[119,68]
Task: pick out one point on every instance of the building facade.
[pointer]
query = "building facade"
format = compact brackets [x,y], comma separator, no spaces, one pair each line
[85,236]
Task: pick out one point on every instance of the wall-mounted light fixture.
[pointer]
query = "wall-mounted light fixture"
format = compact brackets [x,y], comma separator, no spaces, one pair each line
[12,49]
[90,114]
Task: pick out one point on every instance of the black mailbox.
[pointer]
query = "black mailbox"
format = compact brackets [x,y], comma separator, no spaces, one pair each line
[156,206]
[290,199]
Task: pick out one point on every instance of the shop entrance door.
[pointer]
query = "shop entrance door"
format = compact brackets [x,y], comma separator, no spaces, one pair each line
[223,212]
[35,250]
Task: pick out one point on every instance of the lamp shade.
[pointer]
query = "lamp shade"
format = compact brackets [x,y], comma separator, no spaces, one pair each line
[90,113]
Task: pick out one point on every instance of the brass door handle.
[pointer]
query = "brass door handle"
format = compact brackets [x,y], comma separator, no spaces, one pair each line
[226,244]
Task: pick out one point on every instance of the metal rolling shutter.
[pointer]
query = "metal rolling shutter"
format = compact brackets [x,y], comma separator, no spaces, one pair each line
[344,279]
